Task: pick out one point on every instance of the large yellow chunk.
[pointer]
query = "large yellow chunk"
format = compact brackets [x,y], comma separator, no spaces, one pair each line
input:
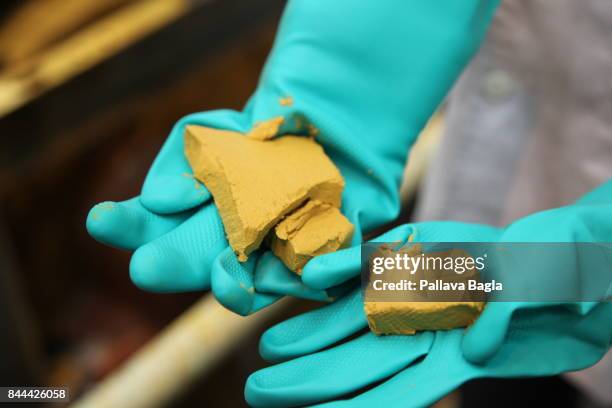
[256,182]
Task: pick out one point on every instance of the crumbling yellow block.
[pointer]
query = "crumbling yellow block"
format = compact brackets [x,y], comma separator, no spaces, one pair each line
[313,229]
[417,310]
[410,317]
[259,181]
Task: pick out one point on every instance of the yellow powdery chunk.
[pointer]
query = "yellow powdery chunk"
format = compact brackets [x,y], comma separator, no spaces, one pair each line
[425,309]
[313,229]
[256,183]
[410,317]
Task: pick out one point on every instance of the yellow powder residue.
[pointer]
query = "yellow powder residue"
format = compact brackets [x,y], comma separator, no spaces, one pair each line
[102,207]
[313,131]
[266,130]
[298,123]
[286,101]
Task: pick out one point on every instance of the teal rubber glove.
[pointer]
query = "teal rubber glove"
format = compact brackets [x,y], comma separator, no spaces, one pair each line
[589,220]
[509,339]
[192,243]
[342,319]
[537,345]
[364,78]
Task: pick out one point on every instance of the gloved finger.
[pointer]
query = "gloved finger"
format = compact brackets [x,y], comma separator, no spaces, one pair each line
[422,384]
[328,270]
[128,225]
[484,338]
[263,300]
[314,330]
[169,186]
[272,276]
[233,283]
[336,371]
[181,260]
[331,269]
[548,339]
[581,308]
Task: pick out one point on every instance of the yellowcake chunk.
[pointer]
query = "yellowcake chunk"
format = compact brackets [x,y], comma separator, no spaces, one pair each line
[417,310]
[410,317]
[257,181]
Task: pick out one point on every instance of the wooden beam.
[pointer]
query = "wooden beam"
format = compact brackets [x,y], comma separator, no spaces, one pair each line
[35,24]
[187,349]
[86,48]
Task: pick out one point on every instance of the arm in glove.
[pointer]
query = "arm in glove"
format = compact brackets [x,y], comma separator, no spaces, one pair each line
[365,77]
[417,370]
[510,339]
[589,220]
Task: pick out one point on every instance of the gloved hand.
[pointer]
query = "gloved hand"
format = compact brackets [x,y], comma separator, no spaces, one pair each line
[539,343]
[180,252]
[509,339]
[589,220]
[364,78]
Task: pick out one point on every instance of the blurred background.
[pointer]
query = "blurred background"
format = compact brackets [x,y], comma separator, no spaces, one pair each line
[88,93]
[89,90]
